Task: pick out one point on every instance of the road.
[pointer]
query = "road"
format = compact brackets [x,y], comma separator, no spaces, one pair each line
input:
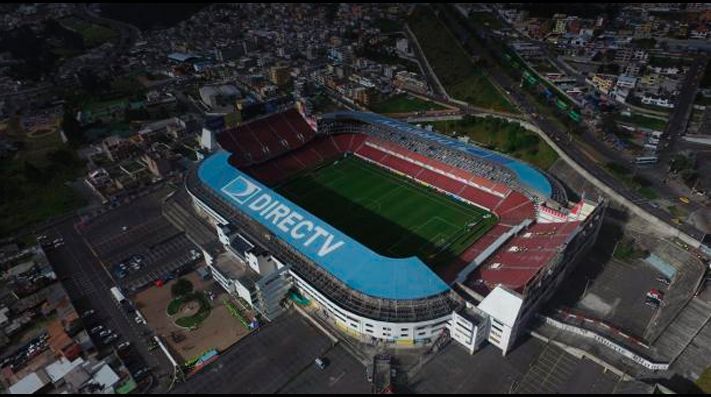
[572,147]
[678,122]
[88,285]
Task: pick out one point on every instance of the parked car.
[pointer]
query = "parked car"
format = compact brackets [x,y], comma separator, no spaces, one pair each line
[104,333]
[655,293]
[663,280]
[141,373]
[88,313]
[110,338]
[321,363]
[649,301]
[96,329]
[124,345]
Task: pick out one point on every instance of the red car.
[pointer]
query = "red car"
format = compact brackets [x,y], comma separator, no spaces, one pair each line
[655,293]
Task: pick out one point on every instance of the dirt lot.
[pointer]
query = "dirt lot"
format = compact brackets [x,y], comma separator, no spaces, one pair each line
[220,330]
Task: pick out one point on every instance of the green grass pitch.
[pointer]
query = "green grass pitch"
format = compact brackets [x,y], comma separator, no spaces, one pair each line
[388,213]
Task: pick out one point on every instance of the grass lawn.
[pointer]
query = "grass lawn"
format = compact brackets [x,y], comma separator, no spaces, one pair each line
[626,249]
[33,182]
[92,34]
[502,136]
[388,213]
[702,100]
[404,103]
[454,67]
[644,122]
[704,381]
[677,212]
[388,25]
[636,183]
[195,319]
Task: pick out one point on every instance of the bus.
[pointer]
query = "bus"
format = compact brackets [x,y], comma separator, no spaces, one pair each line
[118,295]
[646,160]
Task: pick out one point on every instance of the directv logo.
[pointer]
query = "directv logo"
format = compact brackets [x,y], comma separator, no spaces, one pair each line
[241,189]
[293,225]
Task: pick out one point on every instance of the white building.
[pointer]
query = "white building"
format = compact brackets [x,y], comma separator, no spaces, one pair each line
[657,101]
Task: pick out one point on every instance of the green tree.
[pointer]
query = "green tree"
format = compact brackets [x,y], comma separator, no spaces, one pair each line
[32,173]
[181,287]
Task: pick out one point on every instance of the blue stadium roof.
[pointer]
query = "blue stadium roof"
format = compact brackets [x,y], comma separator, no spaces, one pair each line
[346,259]
[527,175]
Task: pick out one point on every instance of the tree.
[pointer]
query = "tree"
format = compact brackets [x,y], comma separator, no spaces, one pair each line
[33,174]
[181,287]
[72,129]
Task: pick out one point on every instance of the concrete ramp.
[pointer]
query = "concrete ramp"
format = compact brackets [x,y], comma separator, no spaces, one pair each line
[679,334]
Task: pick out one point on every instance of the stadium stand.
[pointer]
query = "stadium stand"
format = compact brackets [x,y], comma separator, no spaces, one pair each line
[472,180]
[266,138]
[520,255]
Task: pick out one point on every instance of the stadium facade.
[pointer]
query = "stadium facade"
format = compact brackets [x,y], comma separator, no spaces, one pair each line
[489,293]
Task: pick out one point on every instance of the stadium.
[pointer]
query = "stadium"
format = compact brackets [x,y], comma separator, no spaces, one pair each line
[395,233]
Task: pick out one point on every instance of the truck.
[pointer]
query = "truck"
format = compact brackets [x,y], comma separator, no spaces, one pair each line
[118,295]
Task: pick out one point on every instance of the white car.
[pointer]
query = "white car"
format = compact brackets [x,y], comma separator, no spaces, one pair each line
[124,345]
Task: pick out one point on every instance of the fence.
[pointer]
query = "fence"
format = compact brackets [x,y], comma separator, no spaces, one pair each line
[608,343]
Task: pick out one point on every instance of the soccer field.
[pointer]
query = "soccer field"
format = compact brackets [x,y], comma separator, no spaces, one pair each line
[388,213]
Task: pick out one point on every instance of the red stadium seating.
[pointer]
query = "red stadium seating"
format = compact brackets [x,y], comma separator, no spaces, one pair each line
[434,176]
[515,208]
[266,138]
[317,151]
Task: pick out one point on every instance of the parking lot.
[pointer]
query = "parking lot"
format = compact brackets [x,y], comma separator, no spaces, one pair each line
[264,361]
[556,371]
[532,367]
[343,375]
[608,289]
[618,295]
[162,250]
[454,370]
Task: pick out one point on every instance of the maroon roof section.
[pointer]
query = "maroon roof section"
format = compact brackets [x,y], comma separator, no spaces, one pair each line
[518,261]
